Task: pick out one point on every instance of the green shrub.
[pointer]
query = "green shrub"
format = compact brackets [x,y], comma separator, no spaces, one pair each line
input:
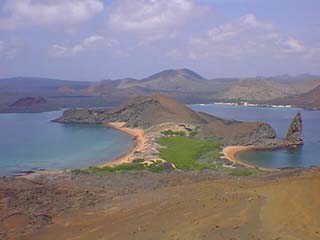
[173,133]
[193,133]
[243,172]
[138,160]
[125,167]
[184,151]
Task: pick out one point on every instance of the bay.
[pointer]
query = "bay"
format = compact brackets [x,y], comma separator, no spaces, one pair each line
[32,141]
[279,118]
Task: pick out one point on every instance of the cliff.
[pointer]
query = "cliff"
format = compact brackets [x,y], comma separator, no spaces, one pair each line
[294,133]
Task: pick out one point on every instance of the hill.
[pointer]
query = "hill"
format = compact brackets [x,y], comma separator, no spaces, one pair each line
[183,80]
[190,87]
[28,102]
[145,112]
[256,89]
[310,99]
[181,84]
[16,95]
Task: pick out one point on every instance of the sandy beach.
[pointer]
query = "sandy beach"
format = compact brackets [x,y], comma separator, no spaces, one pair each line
[139,140]
[231,151]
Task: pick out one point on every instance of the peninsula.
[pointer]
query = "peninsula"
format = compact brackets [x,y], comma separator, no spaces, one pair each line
[148,117]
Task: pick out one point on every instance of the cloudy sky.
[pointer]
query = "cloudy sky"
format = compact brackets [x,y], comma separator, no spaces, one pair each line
[103,39]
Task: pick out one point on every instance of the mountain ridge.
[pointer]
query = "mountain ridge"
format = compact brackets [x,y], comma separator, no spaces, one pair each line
[182,84]
[310,99]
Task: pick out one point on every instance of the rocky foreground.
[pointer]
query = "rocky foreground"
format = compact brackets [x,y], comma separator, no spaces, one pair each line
[172,205]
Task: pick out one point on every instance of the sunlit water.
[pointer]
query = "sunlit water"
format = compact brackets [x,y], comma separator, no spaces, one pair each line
[32,142]
[279,119]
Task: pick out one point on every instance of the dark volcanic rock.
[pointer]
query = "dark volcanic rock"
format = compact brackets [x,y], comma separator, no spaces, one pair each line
[80,115]
[294,133]
[29,102]
[240,133]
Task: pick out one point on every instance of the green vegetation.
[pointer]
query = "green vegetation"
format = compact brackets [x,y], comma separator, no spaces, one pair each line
[125,167]
[173,133]
[243,172]
[184,152]
[193,133]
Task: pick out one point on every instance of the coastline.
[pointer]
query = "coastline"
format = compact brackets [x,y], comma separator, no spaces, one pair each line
[138,138]
[231,151]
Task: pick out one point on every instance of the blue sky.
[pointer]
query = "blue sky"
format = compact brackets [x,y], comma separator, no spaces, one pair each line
[94,39]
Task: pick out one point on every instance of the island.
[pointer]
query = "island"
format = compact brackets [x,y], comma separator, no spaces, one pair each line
[150,118]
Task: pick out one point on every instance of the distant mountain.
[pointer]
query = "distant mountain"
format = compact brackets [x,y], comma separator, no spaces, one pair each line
[182,84]
[28,102]
[293,78]
[310,99]
[181,81]
[34,84]
[255,89]
[170,80]
[18,94]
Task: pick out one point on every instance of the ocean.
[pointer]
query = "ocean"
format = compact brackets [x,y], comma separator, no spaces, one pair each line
[279,118]
[30,141]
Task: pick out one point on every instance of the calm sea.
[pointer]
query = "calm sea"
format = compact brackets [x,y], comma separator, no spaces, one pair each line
[279,119]
[33,142]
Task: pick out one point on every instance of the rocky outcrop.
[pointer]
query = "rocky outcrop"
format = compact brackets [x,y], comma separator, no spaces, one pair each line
[80,115]
[263,134]
[294,134]
[241,133]
[28,102]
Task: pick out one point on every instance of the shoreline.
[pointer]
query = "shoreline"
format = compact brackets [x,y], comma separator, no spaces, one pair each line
[136,134]
[138,138]
[231,151]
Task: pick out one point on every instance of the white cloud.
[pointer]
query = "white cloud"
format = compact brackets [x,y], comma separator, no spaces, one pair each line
[87,44]
[152,19]
[250,21]
[246,37]
[7,51]
[47,12]
[293,45]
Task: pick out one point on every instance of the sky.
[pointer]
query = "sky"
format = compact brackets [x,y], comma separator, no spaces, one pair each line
[110,39]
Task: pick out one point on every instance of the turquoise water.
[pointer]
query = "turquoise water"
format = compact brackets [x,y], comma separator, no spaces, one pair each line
[279,119]
[32,142]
